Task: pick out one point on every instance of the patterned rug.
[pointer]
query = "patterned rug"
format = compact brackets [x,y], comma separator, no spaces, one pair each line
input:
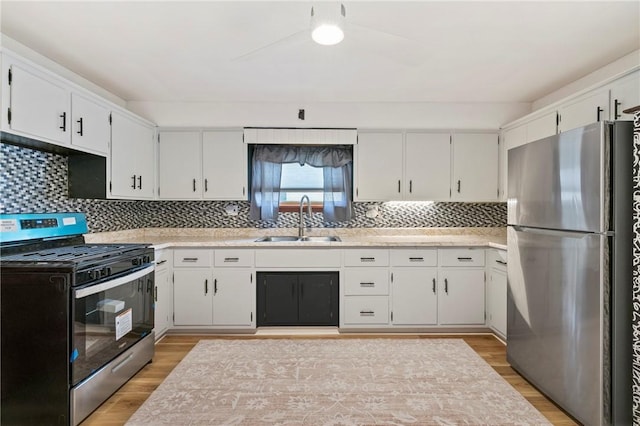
[335,382]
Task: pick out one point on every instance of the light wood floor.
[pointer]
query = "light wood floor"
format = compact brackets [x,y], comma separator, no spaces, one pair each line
[171,349]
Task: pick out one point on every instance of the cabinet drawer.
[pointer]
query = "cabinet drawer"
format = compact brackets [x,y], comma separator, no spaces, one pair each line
[373,257]
[233,258]
[366,310]
[162,258]
[191,258]
[497,259]
[461,257]
[364,281]
[408,257]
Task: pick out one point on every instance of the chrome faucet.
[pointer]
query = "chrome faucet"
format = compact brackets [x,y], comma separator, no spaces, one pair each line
[301,225]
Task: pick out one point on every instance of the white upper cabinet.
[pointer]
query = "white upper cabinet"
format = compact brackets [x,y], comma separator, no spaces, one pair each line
[38,105]
[196,165]
[379,166]
[475,167]
[542,127]
[625,93]
[90,125]
[224,165]
[179,166]
[132,158]
[585,110]
[427,166]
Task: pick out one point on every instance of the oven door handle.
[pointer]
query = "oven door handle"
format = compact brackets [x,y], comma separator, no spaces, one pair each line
[93,289]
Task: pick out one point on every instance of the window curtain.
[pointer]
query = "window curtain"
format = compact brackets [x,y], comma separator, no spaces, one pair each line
[336,162]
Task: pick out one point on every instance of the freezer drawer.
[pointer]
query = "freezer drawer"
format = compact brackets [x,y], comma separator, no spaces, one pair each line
[556,320]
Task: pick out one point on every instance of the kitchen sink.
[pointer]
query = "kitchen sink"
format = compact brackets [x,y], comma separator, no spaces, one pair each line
[292,238]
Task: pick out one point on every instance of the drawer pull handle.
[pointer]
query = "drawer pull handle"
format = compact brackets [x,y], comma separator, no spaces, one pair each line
[367,259]
[231,259]
[501,262]
[189,259]
[367,313]
[161,262]
[416,259]
[465,259]
[367,284]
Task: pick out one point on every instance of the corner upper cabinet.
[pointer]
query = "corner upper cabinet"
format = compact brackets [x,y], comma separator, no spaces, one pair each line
[179,165]
[132,158]
[475,167]
[224,165]
[38,105]
[427,166]
[379,166]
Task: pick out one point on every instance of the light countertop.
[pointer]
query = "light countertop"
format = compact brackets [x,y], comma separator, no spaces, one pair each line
[361,237]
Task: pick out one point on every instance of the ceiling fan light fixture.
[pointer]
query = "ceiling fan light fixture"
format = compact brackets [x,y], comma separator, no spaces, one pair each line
[327,23]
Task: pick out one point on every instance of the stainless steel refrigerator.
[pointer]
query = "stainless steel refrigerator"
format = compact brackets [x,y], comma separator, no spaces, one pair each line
[569,296]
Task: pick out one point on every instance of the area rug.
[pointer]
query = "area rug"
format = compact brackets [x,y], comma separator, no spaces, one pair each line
[335,382]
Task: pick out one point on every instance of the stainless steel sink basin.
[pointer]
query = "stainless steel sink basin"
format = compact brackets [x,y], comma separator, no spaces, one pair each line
[277,239]
[291,238]
[327,239]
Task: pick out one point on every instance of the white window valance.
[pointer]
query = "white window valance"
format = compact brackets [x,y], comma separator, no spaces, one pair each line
[301,136]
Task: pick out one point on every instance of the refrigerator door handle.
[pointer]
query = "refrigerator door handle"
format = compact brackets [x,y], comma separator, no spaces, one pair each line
[552,232]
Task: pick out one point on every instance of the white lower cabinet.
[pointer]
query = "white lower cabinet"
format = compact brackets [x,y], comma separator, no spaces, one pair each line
[497,291]
[162,299]
[414,296]
[192,296]
[461,294]
[215,290]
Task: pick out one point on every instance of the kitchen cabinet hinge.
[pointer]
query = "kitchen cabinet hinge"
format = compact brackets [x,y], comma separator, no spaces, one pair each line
[10,76]
[158,191]
[251,316]
[158,137]
[392,277]
[251,278]
[9,115]
[391,316]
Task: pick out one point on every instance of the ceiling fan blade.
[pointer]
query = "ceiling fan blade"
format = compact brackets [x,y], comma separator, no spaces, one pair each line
[381,43]
[291,38]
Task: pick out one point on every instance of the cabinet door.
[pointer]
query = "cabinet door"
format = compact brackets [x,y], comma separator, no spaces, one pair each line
[132,158]
[461,296]
[427,166]
[475,167]
[511,138]
[278,299]
[224,165]
[179,174]
[39,106]
[414,299]
[379,167]
[586,110]
[497,301]
[542,127]
[90,125]
[233,297]
[318,299]
[625,94]
[192,297]
[162,301]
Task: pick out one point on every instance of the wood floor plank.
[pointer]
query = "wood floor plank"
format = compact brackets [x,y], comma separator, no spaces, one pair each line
[171,349]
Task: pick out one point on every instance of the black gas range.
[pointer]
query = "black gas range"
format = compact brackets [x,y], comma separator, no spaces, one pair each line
[76,318]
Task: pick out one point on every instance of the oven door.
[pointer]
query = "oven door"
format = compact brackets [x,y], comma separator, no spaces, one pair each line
[108,318]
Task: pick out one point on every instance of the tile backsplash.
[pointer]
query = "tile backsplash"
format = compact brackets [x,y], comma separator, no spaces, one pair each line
[35,181]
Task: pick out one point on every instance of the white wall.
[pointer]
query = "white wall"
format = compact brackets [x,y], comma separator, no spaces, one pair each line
[379,115]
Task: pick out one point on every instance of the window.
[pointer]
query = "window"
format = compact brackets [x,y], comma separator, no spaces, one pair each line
[298,180]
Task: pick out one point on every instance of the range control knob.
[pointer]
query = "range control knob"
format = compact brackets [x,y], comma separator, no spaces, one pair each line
[146,259]
[136,261]
[105,272]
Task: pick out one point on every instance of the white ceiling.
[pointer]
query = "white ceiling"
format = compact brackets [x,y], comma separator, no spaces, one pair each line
[416,51]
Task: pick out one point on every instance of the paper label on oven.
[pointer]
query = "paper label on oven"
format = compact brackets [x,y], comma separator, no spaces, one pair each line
[68,221]
[124,323]
[8,225]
